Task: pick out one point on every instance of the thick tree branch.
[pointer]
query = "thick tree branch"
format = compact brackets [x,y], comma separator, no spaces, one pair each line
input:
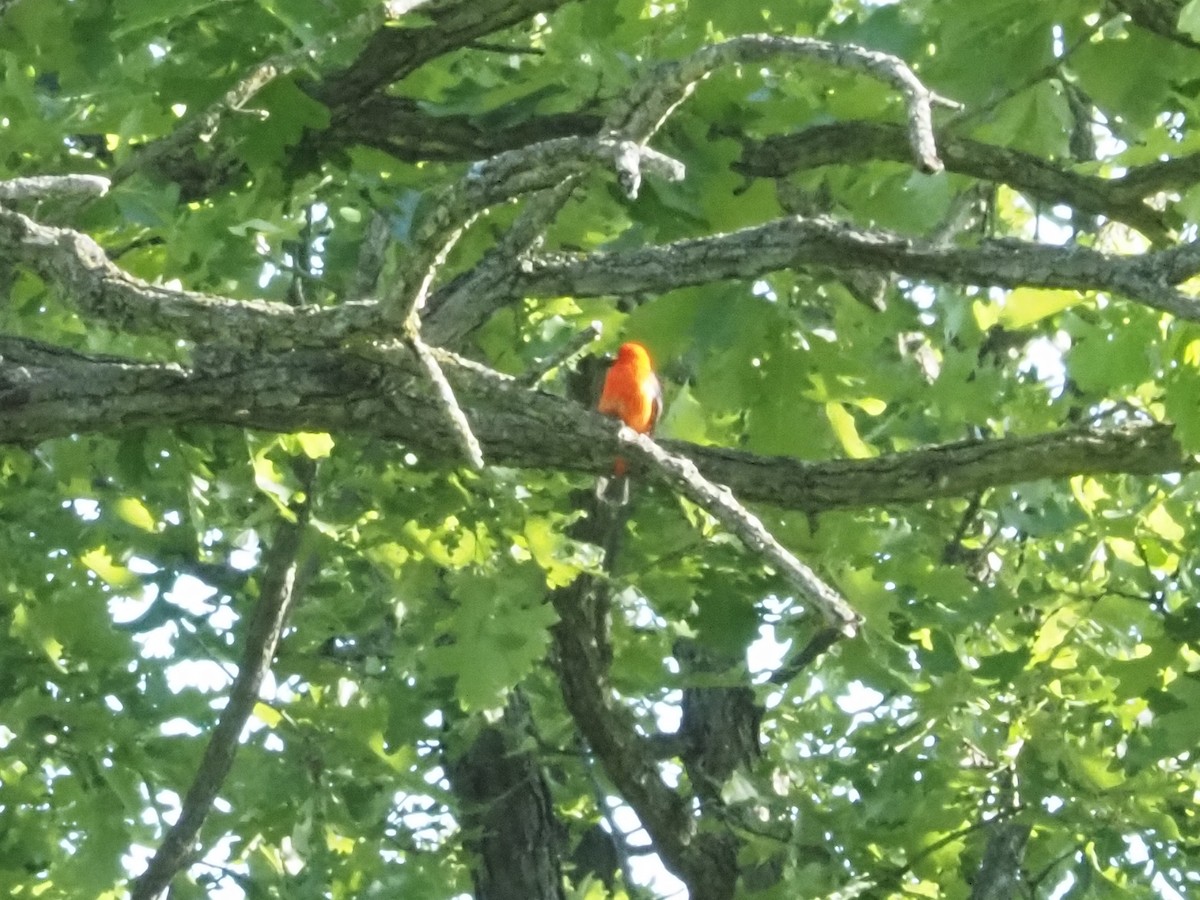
[278,593]
[105,292]
[402,128]
[853,143]
[701,856]
[508,819]
[1148,279]
[392,53]
[48,392]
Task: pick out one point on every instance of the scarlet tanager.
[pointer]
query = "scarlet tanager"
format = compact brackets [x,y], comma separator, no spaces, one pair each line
[631,393]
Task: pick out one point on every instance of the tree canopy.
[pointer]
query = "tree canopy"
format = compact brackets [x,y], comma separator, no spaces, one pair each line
[305,587]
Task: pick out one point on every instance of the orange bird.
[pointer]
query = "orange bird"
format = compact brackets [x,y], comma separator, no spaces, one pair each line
[631,393]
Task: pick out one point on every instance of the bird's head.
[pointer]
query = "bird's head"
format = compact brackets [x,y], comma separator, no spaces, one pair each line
[633,353]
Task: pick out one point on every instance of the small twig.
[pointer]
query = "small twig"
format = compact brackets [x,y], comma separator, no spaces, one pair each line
[281,587]
[1036,879]
[1053,69]
[817,644]
[42,186]
[720,503]
[462,427]
[371,257]
[953,836]
[491,47]
[562,356]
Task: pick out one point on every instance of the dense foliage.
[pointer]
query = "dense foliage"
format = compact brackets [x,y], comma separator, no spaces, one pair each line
[966,397]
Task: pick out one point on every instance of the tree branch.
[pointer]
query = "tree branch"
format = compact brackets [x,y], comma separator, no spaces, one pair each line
[47,392]
[467,302]
[853,143]
[402,128]
[795,242]
[701,856]
[462,427]
[507,175]
[392,53]
[41,186]
[388,55]
[105,292]
[281,586]
[668,85]
[562,356]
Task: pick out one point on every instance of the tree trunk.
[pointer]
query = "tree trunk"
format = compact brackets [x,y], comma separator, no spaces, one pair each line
[507,816]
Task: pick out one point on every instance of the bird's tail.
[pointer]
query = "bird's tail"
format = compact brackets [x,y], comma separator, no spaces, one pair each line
[614,490]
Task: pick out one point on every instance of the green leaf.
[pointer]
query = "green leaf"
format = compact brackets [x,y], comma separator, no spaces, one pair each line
[101,563]
[1182,404]
[133,511]
[314,445]
[725,621]
[1189,19]
[846,432]
[1025,306]
[496,634]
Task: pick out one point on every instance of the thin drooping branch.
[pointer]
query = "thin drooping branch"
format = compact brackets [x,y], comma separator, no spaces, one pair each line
[160,155]
[563,356]
[854,143]
[48,391]
[281,586]
[681,473]
[793,242]
[462,427]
